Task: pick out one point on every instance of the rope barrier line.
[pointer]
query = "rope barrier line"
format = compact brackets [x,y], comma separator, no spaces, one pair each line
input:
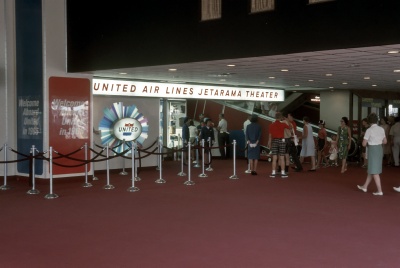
[66,155]
[41,155]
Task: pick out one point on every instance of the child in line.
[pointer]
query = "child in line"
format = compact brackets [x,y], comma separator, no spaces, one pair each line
[333,151]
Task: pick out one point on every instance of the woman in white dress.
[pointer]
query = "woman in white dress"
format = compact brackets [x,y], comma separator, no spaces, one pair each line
[307,143]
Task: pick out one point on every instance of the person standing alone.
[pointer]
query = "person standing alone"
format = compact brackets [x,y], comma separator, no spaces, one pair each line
[253,136]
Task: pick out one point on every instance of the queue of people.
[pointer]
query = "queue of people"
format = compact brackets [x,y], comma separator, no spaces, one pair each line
[378,140]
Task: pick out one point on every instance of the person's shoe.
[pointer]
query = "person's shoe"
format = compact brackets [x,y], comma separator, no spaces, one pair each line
[312,170]
[397,189]
[272,175]
[377,193]
[284,175]
[253,173]
[297,169]
[361,188]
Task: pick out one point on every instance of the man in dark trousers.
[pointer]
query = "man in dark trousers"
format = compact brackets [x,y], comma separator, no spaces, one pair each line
[206,134]
[223,137]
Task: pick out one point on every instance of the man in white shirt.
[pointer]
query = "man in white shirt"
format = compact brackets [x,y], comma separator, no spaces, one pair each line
[223,137]
[245,124]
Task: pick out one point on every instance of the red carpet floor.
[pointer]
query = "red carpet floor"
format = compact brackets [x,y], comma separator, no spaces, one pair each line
[311,219]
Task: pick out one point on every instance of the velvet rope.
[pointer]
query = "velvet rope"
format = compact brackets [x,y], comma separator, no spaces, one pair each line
[66,155]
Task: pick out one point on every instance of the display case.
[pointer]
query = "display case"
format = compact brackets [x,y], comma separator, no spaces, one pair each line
[176,114]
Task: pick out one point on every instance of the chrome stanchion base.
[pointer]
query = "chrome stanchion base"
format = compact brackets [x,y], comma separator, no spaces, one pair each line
[248,171]
[5,187]
[181,174]
[132,189]
[123,173]
[160,181]
[189,183]
[234,177]
[203,175]
[209,169]
[95,179]
[51,196]
[108,187]
[33,191]
[87,184]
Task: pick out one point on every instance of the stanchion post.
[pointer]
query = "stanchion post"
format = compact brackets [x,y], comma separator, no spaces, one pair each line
[234,176]
[108,186]
[33,190]
[182,159]
[94,178]
[189,182]
[123,172]
[209,155]
[133,188]
[137,178]
[86,184]
[160,179]
[51,195]
[202,175]
[5,186]
[158,159]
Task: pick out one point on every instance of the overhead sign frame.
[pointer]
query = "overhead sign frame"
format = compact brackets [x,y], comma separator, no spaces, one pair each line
[186,91]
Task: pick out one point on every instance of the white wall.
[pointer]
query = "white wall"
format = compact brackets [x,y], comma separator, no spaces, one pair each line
[54,55]
[333,106]
[7,83]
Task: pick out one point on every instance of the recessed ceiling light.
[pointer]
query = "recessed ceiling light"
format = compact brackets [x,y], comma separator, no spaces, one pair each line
[367,78]
[393,51]
[329,74]
[344,83]
[231,65]
[374,85]
[310,80]
[123,73]
[331,87]
[294,91]
[396,71]
[284,70]
[296,85]
[271,77]
[262,83]
[222,80]
[398,81]
[172,70]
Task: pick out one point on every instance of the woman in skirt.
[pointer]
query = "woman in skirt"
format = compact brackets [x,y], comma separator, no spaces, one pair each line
[374,138]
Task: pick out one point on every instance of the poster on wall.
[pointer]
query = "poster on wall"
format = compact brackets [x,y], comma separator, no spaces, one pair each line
[69,121]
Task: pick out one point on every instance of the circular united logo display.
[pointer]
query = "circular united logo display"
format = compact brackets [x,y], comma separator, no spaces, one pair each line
[128,129]
[121,126]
